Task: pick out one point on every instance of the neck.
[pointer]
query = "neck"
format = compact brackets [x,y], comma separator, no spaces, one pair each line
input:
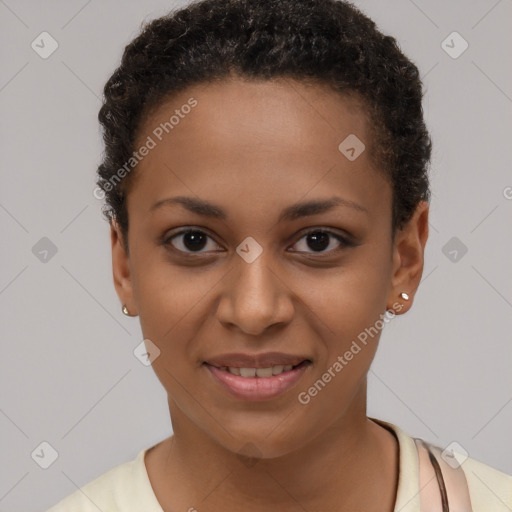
[334,471]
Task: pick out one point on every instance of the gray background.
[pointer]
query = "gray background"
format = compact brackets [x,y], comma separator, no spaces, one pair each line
[68,374]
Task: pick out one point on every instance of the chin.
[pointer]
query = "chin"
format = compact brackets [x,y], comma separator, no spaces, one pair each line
[254,442]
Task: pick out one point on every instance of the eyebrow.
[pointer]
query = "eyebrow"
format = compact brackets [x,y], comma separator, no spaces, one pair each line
[292,212]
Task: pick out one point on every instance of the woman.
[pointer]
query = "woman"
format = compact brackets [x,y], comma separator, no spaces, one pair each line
[265,174]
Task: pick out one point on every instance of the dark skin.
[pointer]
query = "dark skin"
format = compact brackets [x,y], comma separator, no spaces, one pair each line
[254,148]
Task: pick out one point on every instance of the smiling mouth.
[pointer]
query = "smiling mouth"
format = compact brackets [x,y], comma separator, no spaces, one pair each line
[270,371]
[266,382]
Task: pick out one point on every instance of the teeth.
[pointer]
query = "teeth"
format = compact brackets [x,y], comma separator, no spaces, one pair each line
[248,372]
[277,369]
[258,372]
[264,372]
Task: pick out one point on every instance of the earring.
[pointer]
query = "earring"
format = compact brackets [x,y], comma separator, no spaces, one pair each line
[125,311]
[404,296]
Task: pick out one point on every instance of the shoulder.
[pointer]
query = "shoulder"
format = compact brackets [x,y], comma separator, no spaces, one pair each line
[102,493]
[123,488]
[490,489]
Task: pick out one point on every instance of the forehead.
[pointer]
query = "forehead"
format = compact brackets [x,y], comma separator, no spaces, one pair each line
[255,137]
[281,111]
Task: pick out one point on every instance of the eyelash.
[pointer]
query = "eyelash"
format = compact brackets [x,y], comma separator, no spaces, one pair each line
[344,242]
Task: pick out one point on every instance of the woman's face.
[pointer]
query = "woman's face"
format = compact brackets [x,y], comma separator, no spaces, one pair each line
[249,287]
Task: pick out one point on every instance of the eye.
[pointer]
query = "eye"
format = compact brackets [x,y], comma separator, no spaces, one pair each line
[320,240]
[190,241]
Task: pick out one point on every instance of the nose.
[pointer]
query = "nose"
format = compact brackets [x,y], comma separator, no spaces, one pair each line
[255,297]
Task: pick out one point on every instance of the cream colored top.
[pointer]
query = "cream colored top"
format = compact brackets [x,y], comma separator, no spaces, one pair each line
[127,488]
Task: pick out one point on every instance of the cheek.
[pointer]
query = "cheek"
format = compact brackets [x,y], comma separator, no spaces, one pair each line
[348,322]
[167,295]
[351,312]
[349,298]
[176,310]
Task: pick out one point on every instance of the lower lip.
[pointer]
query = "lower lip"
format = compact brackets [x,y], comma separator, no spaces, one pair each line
[258,388]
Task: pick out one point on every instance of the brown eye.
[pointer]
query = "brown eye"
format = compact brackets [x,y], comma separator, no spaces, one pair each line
[191,241]
[320,239]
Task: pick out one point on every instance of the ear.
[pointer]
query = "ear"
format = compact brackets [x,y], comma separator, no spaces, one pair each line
[121,269]
[408,259]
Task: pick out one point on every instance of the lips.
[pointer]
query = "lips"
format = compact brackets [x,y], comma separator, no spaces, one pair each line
[257,377]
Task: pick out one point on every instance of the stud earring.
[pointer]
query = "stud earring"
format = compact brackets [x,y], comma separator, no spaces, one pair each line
[125,311]
[404,296]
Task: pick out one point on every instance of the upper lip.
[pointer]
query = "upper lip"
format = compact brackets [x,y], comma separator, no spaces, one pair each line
[264,360]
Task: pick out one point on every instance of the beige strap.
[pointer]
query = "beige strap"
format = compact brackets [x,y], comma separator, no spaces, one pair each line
[443,488]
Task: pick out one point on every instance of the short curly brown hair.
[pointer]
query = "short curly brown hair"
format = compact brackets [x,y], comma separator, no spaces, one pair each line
[330,41]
